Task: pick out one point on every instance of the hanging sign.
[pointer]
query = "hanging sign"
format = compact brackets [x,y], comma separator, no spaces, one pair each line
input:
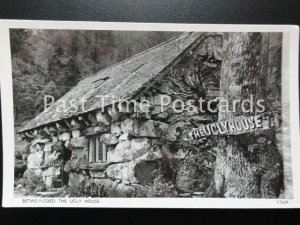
[238,126]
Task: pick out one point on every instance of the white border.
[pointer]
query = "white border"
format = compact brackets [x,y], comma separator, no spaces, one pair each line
[290,55]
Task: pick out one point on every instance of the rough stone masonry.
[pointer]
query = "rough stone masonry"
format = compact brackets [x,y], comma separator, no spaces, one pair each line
[131,154]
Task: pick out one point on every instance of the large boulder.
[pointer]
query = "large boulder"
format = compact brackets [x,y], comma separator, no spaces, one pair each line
[50,176]
[53,146]
[79,153]
[141,172]
[39,140]
[144,128]
[161,116]
[124,137]
[36,147]
[73,165]
[95,130]
[75,143]
[75,179]
[76,133]
[97,174]
[122,171]
[35,159]
[54,138]
[50,181]
[115,128]
[109,139]
[99,166]
[53,158]
[53,153]
[103,117]
[64,136]
[129,150]
[123,190]
[51,171]
[152,155]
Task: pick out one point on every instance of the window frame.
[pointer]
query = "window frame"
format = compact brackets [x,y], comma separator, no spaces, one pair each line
[96,146]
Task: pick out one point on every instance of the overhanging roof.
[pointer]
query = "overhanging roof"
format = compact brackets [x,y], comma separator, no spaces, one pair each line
[120,81]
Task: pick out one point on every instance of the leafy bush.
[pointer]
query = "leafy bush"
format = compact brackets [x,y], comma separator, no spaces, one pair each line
[87,188]
[164,179]
[161,187]
[19,170]
[95,190]
[19,181]
[33,182]
[75,191]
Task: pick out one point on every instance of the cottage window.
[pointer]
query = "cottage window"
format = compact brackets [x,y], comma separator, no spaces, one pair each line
[99,82]
[97,150]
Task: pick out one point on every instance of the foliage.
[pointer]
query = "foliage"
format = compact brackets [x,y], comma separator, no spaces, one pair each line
[33,182]
[161,187]
[53,61]
[75,191]
[91,189]
[87,188]
[19,168]
[164,181]
[19,181]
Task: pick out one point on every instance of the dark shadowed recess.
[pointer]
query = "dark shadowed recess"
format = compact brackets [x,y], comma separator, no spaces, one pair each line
[166,11]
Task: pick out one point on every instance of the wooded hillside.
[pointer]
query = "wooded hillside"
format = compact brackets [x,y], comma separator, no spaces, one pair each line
[53,61]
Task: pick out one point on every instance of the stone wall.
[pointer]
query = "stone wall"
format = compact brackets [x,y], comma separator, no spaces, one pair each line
[45,160]
[144,149]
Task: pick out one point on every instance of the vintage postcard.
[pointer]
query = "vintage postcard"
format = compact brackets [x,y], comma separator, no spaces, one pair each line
[149,115]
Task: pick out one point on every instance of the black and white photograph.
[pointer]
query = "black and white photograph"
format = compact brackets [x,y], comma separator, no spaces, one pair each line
[164,114]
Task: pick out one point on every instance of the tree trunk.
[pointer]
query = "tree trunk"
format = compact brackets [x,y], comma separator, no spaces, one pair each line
[247,165]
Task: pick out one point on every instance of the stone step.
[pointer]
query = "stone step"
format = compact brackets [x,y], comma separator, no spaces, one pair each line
[198,194]
[47,193]
[53,189]
[185,195]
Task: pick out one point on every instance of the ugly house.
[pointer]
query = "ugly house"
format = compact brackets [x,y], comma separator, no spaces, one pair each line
[121,148]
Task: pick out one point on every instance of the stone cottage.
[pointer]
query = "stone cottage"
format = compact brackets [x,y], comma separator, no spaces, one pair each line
[125,150]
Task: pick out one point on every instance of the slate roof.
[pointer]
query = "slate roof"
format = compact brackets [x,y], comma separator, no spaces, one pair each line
[120,81]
